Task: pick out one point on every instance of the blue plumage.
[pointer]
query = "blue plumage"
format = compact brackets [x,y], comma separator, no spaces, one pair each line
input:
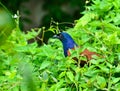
[67,41]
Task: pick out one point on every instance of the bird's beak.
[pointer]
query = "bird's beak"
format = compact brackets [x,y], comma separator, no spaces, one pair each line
[56,36]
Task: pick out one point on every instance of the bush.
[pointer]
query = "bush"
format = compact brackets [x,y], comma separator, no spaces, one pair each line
[28,67]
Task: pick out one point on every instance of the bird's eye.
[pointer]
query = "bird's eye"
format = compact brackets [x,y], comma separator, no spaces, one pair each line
[58,34]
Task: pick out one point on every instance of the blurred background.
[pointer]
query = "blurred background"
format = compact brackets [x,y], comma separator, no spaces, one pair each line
[38,13]
[45,14]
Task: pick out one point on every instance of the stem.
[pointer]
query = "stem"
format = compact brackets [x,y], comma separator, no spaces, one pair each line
[109,83]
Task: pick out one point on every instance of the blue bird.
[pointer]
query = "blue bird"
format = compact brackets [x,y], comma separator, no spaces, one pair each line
[69,43]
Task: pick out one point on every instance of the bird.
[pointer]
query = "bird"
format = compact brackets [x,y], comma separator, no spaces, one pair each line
[69,44]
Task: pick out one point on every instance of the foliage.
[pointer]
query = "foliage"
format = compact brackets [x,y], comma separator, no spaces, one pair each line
[60,11]
[27,67]
[7,24]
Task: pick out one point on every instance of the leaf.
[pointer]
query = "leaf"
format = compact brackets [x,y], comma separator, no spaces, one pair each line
[70,76]
[101,81]
[104,69]
[117,69]
[117,86]
[7,24]
[54,79]
[62,74]
[115,80]
[56,86]
[45,76]
[85,20]
[113,38]
[62,89]
[44,65]
[13,74]
[91,72]
[77,77]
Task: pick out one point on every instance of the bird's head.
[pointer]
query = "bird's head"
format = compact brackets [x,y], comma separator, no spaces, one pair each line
[67,41]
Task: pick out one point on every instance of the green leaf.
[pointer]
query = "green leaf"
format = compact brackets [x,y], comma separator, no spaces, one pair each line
[101,81]
[117,69]
[45,76]
[117,87]
[44,65]
[85,20]
[104,69]
[62,89]
[7,24]
[77,77]
[54,79]
[56,86]
[70,76]
[113,38]
[115,80]
[62,74]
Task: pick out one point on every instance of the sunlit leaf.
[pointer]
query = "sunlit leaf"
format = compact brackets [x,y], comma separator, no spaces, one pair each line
[101,81]
[115,80]
[70,76]
[62,74]
[44,65]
